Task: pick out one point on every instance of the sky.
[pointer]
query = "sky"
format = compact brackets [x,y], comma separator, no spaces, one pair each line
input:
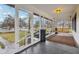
[5,10]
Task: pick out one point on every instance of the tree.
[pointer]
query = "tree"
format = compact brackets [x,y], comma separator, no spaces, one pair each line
[8,22]
[22,23]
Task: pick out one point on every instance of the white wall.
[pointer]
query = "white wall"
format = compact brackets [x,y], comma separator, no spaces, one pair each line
[76,34]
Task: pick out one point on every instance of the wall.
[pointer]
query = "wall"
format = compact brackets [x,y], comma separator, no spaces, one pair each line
[76,34]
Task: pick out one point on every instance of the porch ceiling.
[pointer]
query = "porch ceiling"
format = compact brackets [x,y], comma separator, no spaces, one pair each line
[48,9]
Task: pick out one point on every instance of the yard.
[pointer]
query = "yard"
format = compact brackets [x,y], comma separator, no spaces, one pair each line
[10,37]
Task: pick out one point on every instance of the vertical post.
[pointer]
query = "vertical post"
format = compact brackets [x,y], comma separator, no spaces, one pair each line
[70,24]
[52,27]
[16,27]
[39,26]
[31,25]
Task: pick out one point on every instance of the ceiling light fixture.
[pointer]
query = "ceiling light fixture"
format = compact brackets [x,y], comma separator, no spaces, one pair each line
[58,10]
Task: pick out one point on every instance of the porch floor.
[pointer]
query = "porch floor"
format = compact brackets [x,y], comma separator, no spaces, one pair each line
[63,39]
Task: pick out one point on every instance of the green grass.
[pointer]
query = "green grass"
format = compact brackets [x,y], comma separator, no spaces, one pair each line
[22,34]
[22,41]
[10,37]
[2,46]
[47,30]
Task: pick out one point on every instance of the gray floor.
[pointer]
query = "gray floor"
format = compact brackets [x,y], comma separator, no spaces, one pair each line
[50,48]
